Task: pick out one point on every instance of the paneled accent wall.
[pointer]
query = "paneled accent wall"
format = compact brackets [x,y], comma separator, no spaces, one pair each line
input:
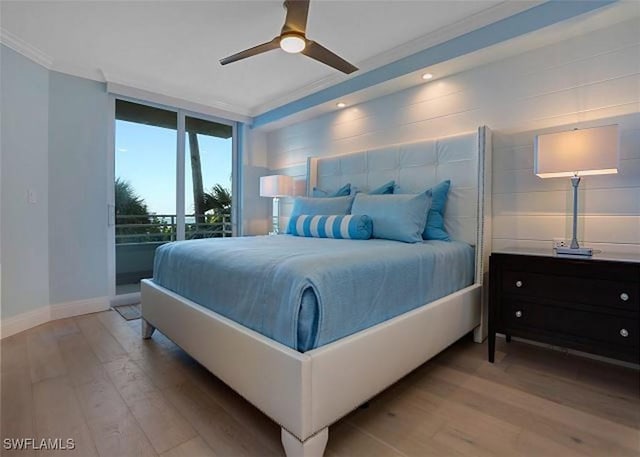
[583,80]
[529,211]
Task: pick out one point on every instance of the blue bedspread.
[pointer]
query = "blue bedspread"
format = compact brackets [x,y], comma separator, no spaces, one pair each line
[307,292]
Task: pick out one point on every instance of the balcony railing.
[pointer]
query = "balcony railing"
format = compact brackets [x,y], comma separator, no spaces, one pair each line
[161,228]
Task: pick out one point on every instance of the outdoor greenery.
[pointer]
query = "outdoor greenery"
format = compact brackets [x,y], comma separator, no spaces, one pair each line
[211,213]
[134,223]
[129,203]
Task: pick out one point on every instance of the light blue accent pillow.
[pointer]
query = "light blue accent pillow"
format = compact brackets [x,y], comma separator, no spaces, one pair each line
[398,217]
[434,229]
[351,226]
[314,206]
[342,192]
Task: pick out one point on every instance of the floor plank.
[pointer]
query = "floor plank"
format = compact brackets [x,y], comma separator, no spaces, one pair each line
[162,423]
[114,429]
[82,364]
[94,378]
[16,395]
[44,354]
[400,421]
[58,415]
[129,338]
[346,440]
[260,426]
[197,447]
[219,429]
[104,345]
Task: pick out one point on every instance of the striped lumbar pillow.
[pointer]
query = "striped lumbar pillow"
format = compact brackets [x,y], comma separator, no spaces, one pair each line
[344,226]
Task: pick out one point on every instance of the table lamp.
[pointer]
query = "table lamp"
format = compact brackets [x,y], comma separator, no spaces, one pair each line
[577,153]
[276,186]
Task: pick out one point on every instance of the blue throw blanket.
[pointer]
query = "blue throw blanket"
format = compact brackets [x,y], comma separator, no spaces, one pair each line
[307,292]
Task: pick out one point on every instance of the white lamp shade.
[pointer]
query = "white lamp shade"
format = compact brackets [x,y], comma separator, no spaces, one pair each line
[276,186]
[581,152]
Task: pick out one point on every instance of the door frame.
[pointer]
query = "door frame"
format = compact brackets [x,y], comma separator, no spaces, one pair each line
[236,188]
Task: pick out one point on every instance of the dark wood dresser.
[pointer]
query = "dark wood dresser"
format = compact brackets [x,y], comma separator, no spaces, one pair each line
[587,304]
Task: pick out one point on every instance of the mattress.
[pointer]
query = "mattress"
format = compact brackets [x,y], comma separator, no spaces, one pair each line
[308,292]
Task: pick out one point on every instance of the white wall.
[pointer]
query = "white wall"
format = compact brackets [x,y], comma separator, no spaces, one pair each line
[78,164]
[53,244]
[594,76]
[24,88]
[529,211]
[256,210]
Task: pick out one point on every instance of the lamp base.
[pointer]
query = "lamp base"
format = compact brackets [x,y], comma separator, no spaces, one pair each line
[584,252]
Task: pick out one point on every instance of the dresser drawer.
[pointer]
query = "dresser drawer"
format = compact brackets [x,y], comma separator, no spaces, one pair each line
[587,304]
[601,292]
[619,330]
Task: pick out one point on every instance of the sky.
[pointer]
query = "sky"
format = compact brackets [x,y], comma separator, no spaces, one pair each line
[146,158]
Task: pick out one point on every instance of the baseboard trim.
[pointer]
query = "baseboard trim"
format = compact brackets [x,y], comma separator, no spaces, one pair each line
[16,324]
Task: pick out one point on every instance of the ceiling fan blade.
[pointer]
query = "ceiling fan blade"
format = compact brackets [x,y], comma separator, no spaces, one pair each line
[321,54]
[297,13]
[254,51]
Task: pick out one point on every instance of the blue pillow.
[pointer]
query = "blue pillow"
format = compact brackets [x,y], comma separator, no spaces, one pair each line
[384,189]
[349,227]
[434,229]
[342,192]
[314,206]
[398,217]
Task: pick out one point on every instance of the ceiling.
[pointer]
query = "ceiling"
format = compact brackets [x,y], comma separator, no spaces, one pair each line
[173,47]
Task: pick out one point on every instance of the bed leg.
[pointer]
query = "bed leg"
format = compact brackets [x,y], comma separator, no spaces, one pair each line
[312,447]
[147,329]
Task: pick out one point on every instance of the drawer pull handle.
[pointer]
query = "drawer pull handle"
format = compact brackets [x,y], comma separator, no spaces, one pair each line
[518,283]
[624,296]
[519,314]
[624,332]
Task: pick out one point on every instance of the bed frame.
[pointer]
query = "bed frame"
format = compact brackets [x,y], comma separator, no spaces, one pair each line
[307,392]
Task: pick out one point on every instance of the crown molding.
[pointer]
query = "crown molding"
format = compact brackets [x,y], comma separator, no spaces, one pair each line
[191,100]
[123,84]
[80,71]
[468,24]
[154,96]
[22,47]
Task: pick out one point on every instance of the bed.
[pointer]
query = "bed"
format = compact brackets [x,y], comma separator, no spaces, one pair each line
[289,358]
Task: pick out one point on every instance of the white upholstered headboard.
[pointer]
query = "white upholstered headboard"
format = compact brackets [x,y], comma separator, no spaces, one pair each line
[414,167]
[464,159]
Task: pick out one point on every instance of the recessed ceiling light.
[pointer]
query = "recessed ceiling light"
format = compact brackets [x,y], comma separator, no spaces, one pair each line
[341,104]
[427,76]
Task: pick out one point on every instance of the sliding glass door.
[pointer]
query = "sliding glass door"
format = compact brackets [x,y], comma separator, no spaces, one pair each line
[173,176]
[145,189]
[208,178]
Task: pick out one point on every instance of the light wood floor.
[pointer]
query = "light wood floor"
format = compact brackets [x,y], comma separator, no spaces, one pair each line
[92,378]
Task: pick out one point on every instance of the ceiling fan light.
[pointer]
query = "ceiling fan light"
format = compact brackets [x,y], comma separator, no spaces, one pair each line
[292,43]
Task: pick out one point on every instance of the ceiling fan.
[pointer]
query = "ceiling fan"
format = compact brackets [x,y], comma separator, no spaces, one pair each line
[292,39]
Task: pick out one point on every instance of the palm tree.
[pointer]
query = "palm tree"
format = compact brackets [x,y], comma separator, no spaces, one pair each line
[196,178]
[129,203]
[218,200]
